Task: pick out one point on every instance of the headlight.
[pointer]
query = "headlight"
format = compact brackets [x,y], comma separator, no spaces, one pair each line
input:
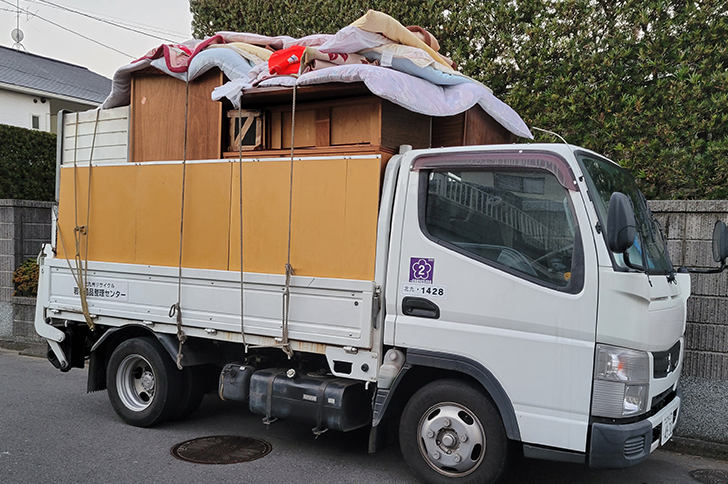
[621,382]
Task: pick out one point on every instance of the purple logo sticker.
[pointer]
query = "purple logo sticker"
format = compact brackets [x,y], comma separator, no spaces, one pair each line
[421,270]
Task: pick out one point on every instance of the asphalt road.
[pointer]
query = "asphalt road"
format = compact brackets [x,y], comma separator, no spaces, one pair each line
[52,431]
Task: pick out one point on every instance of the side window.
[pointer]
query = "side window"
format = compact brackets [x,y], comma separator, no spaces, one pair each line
[520,221]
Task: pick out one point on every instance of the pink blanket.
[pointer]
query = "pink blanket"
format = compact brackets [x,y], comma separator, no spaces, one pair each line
[178,56]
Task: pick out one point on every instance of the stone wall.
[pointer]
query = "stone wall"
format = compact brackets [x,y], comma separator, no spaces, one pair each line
[24,319]
[24,227]
[688,226]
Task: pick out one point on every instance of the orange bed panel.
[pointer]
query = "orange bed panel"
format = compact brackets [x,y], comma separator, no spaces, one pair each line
[135,215]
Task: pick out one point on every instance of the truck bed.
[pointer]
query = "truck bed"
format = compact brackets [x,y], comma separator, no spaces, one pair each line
[323,311]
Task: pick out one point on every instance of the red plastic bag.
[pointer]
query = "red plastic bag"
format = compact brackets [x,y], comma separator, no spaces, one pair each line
[286,61]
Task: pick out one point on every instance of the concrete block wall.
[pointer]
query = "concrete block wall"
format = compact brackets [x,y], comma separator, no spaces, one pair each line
[24,319]
[688,226]
[24,227]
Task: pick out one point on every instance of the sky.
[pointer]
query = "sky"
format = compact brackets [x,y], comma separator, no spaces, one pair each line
[169,19]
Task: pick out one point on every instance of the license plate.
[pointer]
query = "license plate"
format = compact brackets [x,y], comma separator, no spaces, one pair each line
[667,424]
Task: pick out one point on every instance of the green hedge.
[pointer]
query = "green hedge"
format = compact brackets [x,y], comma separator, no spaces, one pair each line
[27,164]
[641,81]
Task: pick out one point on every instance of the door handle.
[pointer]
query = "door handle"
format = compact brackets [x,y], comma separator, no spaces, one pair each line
[420,308]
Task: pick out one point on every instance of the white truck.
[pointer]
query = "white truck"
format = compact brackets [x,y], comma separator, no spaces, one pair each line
[521,297]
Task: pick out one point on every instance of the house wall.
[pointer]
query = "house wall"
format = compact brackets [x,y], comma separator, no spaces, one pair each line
[18,109]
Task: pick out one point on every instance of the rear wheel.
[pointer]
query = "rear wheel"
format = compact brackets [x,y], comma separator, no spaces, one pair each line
[451,432]
[144,385]
[193,391]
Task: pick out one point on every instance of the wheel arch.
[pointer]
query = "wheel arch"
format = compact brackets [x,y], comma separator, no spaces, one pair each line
[105,346]
[195,351]
[423,366]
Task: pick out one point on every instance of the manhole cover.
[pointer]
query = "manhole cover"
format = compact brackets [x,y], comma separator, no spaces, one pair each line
[710,476]
[221,449]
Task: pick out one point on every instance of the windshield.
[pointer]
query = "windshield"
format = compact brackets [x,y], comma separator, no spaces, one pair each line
[605,178]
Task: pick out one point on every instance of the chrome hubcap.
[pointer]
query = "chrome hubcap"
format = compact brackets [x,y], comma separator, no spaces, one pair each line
[136,383]
[452,439]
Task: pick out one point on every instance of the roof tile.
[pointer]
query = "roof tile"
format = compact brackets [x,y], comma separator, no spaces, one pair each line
[52,76]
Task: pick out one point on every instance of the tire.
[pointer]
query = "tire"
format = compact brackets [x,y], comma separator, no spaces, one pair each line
[450,432]
[193,391]
[143,382]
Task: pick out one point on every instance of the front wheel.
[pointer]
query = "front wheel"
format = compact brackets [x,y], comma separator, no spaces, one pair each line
[451,432]
[143,383]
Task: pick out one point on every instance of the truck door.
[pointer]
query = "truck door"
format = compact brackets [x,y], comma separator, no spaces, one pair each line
[497,265]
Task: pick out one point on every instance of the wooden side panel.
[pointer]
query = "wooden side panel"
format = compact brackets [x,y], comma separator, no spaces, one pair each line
[274,130]
[482,129]
[265,216]
[376,122]
[400,126]
[111,231]
[111,225]
[333,123]
[360,223]
[335,207]
[473,127]
[207,216]
[323,127]
[305,128]
[158,118]
[158,205]
[157,106]
[317,237]
[204,132]
[352,124]
[135,212]
[448,131]
[71,210]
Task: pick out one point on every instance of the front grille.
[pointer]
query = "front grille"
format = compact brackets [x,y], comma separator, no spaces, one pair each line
[660,401]
[634,446]
[665,362]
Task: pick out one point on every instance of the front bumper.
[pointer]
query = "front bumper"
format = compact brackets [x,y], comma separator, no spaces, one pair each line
[616,446]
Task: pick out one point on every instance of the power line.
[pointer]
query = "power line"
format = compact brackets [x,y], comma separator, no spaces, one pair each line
[125,22]
[98,19]
[69,30]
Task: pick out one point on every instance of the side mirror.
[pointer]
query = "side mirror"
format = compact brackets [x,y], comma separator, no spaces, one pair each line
[621,226]
[720,250]
[720,241]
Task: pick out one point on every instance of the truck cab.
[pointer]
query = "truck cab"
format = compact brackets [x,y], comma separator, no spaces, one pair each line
[503,265]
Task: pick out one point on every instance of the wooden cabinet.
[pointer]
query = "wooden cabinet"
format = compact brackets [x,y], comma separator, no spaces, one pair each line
[473,127]
[329,118]
[367,121]
[158,117]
